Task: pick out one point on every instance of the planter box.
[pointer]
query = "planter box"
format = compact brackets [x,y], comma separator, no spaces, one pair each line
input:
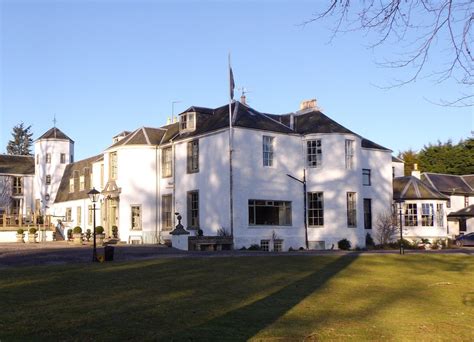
[77,239]
[32,237]
[20,238]
[99,239]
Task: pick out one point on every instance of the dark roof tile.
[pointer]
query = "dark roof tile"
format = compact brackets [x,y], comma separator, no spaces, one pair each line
[411,188]
[448,184]
[55,133]
[17,165]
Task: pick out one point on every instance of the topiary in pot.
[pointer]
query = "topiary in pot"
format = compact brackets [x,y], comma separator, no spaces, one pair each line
[77,234]
[20,236]
[32,235]
[88,234]
[99,234]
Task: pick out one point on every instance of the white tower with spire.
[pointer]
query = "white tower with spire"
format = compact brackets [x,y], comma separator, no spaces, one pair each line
[53,151]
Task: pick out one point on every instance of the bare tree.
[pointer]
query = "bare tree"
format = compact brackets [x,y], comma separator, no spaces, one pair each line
[418,29]
[386,226]
[5,193]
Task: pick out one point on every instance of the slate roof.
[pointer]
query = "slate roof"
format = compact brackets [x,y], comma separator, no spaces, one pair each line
[411,188]
[55,133]
[63,193]
[17,165]
[449,184]
[397,160]
[469,179]
[464,212]
[247,117]
[142,136]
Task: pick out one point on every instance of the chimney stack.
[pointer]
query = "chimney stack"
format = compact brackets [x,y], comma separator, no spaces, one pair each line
[243,99]
[309,104]
[416,173]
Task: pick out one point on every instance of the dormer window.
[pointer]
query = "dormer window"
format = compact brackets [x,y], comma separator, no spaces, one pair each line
[187,122]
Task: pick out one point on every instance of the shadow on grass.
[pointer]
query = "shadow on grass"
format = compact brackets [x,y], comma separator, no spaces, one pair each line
[245,322]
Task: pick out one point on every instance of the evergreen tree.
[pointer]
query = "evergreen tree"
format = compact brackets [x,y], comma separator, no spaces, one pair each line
[21,142]
[410,158]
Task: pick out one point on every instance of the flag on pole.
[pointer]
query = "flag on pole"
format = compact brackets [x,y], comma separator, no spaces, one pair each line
[232,84]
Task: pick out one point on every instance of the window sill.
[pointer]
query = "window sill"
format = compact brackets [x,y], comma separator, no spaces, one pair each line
[317,227]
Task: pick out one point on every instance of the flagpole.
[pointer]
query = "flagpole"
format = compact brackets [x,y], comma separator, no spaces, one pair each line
[231,200]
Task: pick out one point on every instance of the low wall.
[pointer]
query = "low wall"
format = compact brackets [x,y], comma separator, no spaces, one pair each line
[10,236]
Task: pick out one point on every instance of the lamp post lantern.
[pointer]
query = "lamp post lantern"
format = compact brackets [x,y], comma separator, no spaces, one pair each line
[94,197]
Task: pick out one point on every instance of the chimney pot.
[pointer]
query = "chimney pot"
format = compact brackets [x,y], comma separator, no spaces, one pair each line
[243,99]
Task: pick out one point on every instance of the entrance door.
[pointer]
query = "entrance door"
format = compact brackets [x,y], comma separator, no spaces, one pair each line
[112,215]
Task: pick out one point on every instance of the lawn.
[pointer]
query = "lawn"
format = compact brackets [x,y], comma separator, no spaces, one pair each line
[370,297]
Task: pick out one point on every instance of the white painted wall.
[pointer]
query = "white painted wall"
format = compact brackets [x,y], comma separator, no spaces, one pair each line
[56,169]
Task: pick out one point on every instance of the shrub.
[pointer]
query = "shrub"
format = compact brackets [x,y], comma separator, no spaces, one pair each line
[99,230]
[20,231]
[223,232]
[254,247]
[88,234]
[369,242]
[290,249]
[301,248]
[115,232]
[32,230]
[77,230]
[243,248]
[344,244]
[200,232]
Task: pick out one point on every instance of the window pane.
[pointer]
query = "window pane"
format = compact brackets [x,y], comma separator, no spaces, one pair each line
[276,213]
[351,210]
[314,153]
[267,151]
[315,209]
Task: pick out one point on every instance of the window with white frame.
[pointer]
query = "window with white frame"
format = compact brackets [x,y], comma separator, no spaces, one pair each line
[314,153]
[439,215]
[63,158]
[48,179]
[193,156]
[81,183]
[71,185]
[193,209]
[79,215]
[277,245]
[17,186]
[268,150]
[187,122]
[427,215]
[265,245]
[113,165]
[349,154]
[366,177]
[269,213]
[351,210]
[166,212]
[315,209]
[136,217]
[166,163]
[68,217]
[411,215]
[48,158]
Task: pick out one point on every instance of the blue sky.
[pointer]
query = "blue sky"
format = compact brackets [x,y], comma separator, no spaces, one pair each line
[106,66]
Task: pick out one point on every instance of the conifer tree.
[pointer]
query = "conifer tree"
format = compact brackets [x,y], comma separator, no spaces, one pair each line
[21,142]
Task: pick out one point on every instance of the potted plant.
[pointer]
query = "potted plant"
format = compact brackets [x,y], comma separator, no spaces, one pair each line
[20,236]
[32,235]
[115,232]
[77,234]
[88,235]
[99,234]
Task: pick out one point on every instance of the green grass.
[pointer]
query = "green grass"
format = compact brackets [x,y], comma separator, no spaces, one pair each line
[384,297]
